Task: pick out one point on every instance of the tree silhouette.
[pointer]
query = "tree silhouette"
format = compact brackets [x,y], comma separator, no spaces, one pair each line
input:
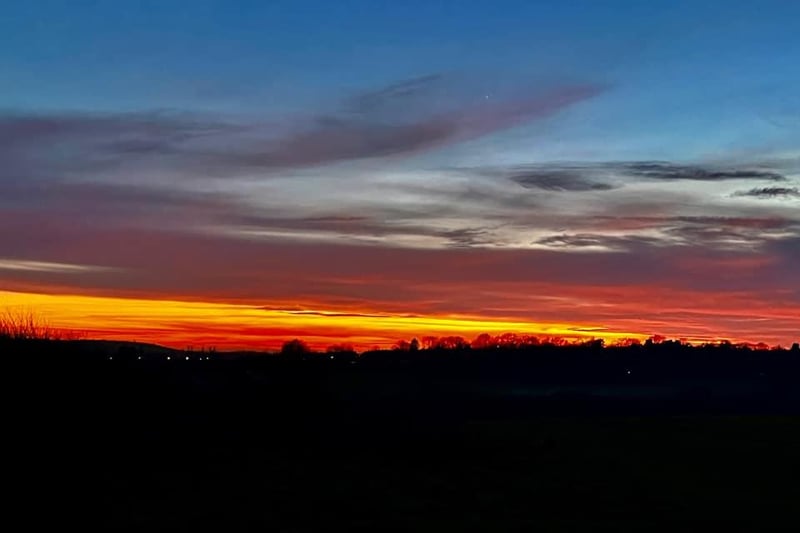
[483,341]
[401,346]
[295,348]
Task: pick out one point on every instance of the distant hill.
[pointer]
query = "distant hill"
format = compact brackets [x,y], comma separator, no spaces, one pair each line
[112,346]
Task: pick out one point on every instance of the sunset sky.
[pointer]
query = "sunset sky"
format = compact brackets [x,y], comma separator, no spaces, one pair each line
[239,173]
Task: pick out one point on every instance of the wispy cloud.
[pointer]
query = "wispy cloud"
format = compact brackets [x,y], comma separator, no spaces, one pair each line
[398,94]
[770,192]
[48,267]
[596,242]
[380,123]
[635,234]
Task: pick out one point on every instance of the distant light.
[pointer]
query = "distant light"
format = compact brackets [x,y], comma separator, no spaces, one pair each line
[187,357]
[628,372]
[331,357]
[168,358]
[140,358]
[110,358]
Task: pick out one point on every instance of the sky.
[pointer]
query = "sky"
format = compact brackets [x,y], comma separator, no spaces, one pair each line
[237,173]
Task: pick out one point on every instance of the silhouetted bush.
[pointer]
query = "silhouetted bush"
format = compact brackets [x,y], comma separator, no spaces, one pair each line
[19,324]
[295,348]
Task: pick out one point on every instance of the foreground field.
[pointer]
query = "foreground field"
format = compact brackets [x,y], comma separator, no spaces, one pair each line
[282,448]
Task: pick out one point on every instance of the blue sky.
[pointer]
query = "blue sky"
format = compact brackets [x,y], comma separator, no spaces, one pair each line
[676,70]
[658,136]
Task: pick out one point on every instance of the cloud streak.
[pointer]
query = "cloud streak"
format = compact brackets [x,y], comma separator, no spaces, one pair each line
[45,267]
[770,192]
[386,123]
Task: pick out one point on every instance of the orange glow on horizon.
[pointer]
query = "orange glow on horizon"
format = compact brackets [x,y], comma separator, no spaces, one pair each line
[230,326]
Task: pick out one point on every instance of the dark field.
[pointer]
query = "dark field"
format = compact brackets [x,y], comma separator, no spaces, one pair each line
[270,445]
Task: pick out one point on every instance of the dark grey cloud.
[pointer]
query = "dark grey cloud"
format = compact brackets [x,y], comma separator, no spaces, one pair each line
[467,237]
[558,180]
[665,171]
[609,175]
[770,192]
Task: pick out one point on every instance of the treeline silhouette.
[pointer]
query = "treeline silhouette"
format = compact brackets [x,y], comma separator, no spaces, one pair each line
[24,333]
[511,342]
[501,363]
